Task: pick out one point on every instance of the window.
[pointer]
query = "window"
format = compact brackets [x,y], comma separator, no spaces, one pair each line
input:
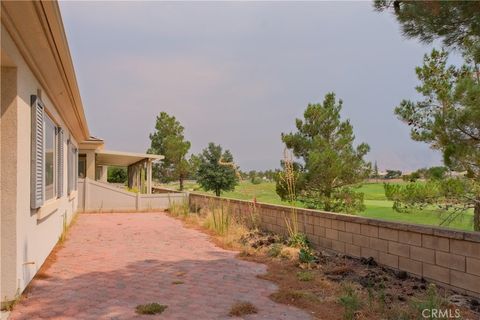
[47,156]
[82,166]
[50,134]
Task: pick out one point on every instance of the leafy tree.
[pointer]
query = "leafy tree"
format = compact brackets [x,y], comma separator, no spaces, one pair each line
[456,23]
[436,173]
[270,174]
[255,177]
[117,175]
[412,177]
[216,171]
[393,174]
[448,117]
[331,164]
[422,173]
[168,140]
[193,163]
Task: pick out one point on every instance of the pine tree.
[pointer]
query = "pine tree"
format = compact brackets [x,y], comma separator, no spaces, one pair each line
[169,141]
[331,165]
[448,119]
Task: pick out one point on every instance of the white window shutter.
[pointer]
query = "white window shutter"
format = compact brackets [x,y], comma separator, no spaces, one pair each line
[60,156]
[69,166]
[37,175]
[75,172]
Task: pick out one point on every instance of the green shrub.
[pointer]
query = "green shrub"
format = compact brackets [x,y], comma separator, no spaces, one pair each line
[117,175]
[256,180]
[350,302]
[306,256]
[275,250]
[298,240]
[134,189]
[432,301]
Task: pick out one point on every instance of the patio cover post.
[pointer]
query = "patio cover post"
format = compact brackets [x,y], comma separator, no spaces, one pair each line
[90,163]
[104,174]
[149,176]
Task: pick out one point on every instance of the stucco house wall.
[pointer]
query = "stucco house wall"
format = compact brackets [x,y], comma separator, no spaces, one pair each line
[27,235]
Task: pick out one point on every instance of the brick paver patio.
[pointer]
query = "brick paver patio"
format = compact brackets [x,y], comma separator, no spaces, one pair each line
[113,262]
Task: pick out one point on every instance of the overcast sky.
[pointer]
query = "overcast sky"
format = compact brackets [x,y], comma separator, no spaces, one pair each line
[238,74]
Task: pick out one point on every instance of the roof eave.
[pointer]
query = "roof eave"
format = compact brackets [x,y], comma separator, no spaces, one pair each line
[36,28]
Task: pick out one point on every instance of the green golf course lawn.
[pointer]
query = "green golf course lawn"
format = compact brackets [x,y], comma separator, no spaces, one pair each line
[377,206]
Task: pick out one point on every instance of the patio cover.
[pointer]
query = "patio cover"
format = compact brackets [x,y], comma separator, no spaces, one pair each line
[139,167]
[123,159]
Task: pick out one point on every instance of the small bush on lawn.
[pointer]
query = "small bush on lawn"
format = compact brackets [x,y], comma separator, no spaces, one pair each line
[150,308]
[242,308]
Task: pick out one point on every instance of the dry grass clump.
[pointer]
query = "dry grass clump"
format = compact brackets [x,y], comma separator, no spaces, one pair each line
[295,296]
[242,308]
[290,253]
[218,219]
[305,276]
[176,209]
[288,177]
[341,270]
[150,308]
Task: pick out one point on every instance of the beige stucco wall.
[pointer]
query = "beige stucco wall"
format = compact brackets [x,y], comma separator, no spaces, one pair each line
[8,163]
[30,239]
[96,196]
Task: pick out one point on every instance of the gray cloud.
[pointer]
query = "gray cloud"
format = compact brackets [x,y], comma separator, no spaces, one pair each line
[239,73]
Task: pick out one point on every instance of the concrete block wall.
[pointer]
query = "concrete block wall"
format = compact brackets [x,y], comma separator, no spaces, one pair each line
[447,257]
